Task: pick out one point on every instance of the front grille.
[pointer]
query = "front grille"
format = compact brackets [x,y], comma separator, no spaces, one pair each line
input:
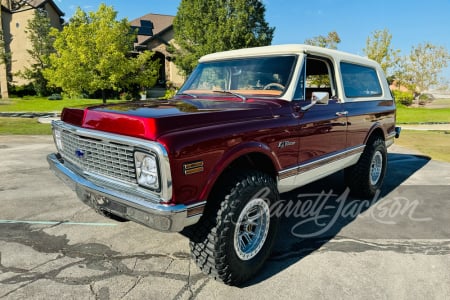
[99,157]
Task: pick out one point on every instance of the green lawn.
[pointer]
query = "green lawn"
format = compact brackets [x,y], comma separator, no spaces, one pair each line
[441,102]
[431,143]
[422,115]
[23,126]
[36,104]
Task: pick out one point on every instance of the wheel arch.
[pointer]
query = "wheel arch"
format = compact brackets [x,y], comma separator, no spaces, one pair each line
[254,155]
[374,132]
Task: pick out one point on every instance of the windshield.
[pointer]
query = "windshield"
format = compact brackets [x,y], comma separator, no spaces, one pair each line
[262,76]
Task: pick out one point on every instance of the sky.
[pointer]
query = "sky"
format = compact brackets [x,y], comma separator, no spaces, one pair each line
[410,22]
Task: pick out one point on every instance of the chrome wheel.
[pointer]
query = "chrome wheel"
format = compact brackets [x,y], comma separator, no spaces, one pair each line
[376,167]
[251,229]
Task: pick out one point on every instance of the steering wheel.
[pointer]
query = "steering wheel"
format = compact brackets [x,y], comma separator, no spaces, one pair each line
[275,85]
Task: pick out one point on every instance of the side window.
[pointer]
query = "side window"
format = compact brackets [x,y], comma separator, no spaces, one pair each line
[360,81]
[317,76]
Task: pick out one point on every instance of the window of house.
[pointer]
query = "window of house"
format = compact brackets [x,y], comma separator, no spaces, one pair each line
[360,81]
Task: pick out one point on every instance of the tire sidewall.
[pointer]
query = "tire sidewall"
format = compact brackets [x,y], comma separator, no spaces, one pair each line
[246,268]
[377,146]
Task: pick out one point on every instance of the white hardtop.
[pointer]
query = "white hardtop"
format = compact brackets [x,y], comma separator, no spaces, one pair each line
[301,50]
[288,49]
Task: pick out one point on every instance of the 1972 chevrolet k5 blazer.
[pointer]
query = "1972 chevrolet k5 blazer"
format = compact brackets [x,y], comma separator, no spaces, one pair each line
[246,126]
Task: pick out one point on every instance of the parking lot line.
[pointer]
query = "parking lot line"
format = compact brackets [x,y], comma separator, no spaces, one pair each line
[55,223]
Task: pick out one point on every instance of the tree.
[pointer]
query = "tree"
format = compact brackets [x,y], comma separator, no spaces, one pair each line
[207,26]
[378,48]
[93,53]
[330,41]
[421,69]
[38,30]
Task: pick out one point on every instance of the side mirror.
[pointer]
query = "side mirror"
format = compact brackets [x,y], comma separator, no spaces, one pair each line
[320,97]
[317,98]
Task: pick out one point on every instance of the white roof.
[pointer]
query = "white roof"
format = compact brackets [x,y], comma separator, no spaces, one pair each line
[287,49]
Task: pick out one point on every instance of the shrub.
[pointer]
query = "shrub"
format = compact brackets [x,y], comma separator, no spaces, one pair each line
[126,96]
[404,98]
[55,97]
[21,90]
[171,90]
[425,97]
[169,94]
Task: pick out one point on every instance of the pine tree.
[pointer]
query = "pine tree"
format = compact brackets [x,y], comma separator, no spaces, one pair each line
[206,26]
[38,31]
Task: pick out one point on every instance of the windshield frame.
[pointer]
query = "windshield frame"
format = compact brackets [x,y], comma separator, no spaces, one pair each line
[245,62]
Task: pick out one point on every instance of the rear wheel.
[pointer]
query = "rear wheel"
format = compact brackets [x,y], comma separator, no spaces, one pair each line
[366,177]
[235,235]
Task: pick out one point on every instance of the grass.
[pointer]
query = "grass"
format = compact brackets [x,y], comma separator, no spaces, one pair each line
[422,115]
[39,104]
[441,102]
[431,143]
[23,126]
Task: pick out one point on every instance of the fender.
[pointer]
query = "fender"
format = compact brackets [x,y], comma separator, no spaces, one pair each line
[375,126]
[233,154]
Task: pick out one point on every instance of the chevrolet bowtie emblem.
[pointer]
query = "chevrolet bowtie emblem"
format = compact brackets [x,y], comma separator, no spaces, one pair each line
[80,153]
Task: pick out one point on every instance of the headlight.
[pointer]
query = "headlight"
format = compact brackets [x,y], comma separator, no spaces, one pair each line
[58,141]
[146,170]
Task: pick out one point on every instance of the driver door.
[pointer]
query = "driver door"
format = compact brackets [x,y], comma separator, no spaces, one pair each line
[323,127]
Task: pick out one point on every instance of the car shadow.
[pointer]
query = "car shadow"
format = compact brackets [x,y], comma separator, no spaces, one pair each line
[314,214]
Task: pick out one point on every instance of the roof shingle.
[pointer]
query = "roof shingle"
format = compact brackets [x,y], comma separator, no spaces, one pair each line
[160,23]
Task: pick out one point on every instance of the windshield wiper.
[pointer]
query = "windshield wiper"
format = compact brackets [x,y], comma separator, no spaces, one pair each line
[231,93]
[187,94]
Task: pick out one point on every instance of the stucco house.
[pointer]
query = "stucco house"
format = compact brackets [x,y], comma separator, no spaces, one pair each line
[15,15]
[155,33]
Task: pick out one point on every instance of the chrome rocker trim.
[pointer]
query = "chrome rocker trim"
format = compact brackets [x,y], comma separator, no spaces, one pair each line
[308,172]
[158,216]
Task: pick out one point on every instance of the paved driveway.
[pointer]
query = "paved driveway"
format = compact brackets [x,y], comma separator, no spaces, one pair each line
[395,246]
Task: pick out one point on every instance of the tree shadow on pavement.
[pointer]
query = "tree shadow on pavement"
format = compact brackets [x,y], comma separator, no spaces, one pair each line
[314,214]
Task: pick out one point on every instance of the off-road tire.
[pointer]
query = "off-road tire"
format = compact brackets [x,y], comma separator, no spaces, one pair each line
[212,240]
[366,177]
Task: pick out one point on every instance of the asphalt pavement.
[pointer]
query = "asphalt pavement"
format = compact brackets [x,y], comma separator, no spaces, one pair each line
[330,245]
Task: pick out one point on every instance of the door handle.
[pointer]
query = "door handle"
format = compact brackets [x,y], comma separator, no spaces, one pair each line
[341,113]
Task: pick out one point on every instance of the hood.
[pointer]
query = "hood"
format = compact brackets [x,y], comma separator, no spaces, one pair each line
[151,119]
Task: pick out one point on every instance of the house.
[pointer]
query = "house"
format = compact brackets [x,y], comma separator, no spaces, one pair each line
[155,33]
[15,15]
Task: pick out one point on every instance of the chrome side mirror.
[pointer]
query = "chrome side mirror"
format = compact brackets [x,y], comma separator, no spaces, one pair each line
[320,97]
[317,98]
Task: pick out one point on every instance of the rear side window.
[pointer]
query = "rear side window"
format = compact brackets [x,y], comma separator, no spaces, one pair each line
[360,81]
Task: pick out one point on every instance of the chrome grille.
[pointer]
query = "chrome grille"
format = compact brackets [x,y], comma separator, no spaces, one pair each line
[100,157]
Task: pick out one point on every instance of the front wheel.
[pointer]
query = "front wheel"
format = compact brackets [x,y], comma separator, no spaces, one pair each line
[235,235]
[366,177]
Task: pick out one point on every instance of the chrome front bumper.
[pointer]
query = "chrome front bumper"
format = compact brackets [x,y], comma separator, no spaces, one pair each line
[162,217]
